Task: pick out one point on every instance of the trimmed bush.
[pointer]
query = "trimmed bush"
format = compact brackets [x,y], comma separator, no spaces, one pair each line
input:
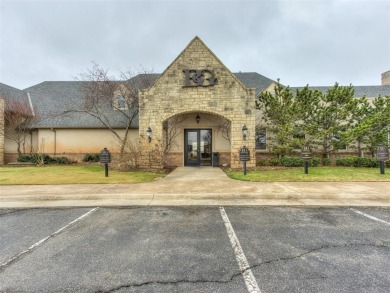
[358,162]
[291,162]
[62,160]
[262,162]
[25,159]
[326,162]
[345,162]
[41,159]
[314,162]
[274,162]
[91,158]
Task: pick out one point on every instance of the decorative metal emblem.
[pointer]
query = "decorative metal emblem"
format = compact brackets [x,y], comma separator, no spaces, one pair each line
[202,77]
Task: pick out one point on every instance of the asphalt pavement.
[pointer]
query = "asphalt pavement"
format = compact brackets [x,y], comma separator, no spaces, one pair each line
[195,249]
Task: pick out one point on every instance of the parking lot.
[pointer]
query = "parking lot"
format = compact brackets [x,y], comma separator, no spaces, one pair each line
[195,249]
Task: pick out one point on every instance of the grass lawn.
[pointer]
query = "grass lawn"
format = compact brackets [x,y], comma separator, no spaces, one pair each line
[332,174]
[71,175]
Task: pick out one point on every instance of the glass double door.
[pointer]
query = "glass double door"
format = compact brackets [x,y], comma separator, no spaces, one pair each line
[197,147]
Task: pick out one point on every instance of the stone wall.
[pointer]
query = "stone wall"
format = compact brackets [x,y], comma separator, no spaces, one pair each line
[2,124]
[169,97]
[386,78]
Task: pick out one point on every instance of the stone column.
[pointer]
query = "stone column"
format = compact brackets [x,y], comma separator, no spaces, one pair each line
[2,126]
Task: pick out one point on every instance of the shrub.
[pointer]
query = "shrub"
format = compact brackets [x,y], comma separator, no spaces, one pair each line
[274,162]
[345,162]
[314,162]
[326,162]
[358,162]
[262,162]
[62,160]
[41,159]
[366,162]
[91,158]
[24,159]
[291,161]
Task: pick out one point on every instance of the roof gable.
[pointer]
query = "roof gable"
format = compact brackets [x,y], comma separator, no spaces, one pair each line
[190,54]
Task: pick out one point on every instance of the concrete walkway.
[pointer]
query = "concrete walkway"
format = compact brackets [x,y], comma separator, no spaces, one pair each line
[199,186]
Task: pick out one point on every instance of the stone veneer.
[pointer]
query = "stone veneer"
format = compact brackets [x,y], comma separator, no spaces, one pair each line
[386,78]
[167,98]
[2,123]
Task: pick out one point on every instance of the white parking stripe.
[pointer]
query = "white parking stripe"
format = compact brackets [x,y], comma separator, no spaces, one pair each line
[249,278]
[369,216]
[40,242]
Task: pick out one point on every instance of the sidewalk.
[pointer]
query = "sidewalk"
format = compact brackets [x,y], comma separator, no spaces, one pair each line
[199,186]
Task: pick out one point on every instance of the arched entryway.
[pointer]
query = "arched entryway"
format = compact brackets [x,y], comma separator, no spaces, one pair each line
[193,138]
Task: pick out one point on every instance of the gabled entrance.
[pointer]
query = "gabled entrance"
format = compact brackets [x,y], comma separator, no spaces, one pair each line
[197,147]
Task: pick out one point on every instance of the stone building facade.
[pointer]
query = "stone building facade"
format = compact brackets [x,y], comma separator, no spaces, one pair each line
[386,78]
[196,113]
[197,83]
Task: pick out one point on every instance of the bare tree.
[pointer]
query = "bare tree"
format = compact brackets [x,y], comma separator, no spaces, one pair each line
[19,120]
[114,102]
[223,126]
[172,128]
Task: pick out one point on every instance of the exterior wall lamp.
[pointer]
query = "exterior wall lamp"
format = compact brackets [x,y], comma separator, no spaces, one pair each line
[197,118]
[244,132]
[149,132]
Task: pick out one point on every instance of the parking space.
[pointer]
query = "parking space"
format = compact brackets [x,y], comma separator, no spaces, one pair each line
[164,249]
[174,249]
[314,250]
[19,229]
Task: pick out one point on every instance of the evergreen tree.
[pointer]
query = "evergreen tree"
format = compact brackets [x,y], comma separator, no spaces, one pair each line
[279,115]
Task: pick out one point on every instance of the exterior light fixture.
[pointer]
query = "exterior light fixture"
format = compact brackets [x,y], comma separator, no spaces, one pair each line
[244,132]
[149,132]
[197,118]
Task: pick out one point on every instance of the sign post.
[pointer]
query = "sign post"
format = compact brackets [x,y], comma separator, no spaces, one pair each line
[382,154]
[306,155]
[244,156]
[105,158]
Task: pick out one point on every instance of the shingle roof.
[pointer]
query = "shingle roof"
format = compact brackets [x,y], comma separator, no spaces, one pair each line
[9,92]
[13,94]
[52,97]
[254,80]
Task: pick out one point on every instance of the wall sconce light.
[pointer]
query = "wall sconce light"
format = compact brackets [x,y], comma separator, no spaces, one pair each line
[244,132]
[149,132]
[197,118]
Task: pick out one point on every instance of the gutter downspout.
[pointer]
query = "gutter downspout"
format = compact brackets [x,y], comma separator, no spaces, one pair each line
[55,140]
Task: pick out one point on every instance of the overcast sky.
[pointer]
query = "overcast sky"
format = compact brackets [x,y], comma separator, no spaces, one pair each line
[301,42]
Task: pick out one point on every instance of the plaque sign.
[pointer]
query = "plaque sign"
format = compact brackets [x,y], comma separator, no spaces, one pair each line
[382,153]
[199,77]
[306,153]
[244,154]
[105,158]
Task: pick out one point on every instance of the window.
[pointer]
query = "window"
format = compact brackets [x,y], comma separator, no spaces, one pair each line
[299,139]
[121,102]
[261,138]
[339,143]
